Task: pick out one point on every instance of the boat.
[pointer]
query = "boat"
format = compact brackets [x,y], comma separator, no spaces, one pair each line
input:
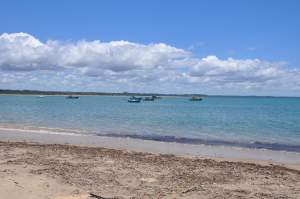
[134,99]
[41,96]
[156,97]
[72,97]
[152,98]
[149,98]
[195,98]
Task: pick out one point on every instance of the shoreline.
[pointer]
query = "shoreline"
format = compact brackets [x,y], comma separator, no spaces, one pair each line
[231,153]
[158,138]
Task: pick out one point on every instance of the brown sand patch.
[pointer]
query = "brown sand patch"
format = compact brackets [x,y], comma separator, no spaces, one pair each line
[73,197]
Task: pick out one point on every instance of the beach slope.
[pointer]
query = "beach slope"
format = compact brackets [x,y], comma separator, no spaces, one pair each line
[43,171]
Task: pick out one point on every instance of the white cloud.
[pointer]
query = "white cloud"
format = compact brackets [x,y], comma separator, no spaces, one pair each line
[234,70]
[26,60]
[21,51]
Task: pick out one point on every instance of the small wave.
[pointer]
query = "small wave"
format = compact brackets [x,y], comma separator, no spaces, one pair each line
[186,140]
[44,130]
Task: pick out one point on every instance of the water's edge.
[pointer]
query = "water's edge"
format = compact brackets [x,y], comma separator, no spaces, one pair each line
[152,146]
[161,138]
[197,141]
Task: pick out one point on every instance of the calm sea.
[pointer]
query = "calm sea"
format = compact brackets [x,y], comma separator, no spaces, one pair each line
[255,122]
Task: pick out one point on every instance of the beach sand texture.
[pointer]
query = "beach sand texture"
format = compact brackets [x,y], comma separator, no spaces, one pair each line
[36,171]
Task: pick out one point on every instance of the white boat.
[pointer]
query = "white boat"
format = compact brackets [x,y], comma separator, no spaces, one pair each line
[134,99]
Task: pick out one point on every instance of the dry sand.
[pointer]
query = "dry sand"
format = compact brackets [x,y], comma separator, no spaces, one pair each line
[51,171]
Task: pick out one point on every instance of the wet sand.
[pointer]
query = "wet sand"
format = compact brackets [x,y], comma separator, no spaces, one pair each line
[52,171]
[56,136]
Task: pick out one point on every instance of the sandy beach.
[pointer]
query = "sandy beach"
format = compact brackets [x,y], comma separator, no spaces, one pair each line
[53,171]
[150,99]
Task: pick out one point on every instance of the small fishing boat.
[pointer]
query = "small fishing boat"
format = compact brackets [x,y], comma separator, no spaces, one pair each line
[134,99]
[41,96]
[195,98]
[156,97]
[149,98]
[72,97]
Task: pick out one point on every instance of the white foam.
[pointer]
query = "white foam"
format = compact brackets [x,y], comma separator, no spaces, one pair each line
[42,131]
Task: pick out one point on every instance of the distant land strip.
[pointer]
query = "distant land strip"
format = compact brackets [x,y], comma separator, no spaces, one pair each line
[38,92]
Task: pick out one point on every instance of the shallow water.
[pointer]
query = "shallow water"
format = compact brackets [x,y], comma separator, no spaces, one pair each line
[255,122]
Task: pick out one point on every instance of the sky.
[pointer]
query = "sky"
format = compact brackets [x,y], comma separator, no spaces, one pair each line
[233,47]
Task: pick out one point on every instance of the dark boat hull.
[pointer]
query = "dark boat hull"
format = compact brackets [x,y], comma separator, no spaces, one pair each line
[72,97]
[195,99]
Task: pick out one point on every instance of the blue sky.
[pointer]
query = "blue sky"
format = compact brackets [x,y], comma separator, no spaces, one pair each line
[241,29]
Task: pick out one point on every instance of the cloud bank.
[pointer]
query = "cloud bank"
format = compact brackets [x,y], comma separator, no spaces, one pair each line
[25,61]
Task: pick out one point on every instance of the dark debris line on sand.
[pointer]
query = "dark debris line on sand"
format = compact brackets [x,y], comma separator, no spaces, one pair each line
[98,197]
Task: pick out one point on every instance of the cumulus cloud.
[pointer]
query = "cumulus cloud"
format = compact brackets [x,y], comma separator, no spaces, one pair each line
[88,63]
[234,70]
[21,51]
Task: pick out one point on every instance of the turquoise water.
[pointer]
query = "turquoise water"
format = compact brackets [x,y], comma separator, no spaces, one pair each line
[246,121]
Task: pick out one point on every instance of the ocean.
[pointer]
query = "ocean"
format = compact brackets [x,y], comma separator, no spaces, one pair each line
[252,122]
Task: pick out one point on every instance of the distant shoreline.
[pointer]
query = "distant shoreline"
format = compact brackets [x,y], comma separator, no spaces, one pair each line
[64,93]
[8,92]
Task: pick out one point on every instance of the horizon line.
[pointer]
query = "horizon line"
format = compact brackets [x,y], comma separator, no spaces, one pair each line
[125,93]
